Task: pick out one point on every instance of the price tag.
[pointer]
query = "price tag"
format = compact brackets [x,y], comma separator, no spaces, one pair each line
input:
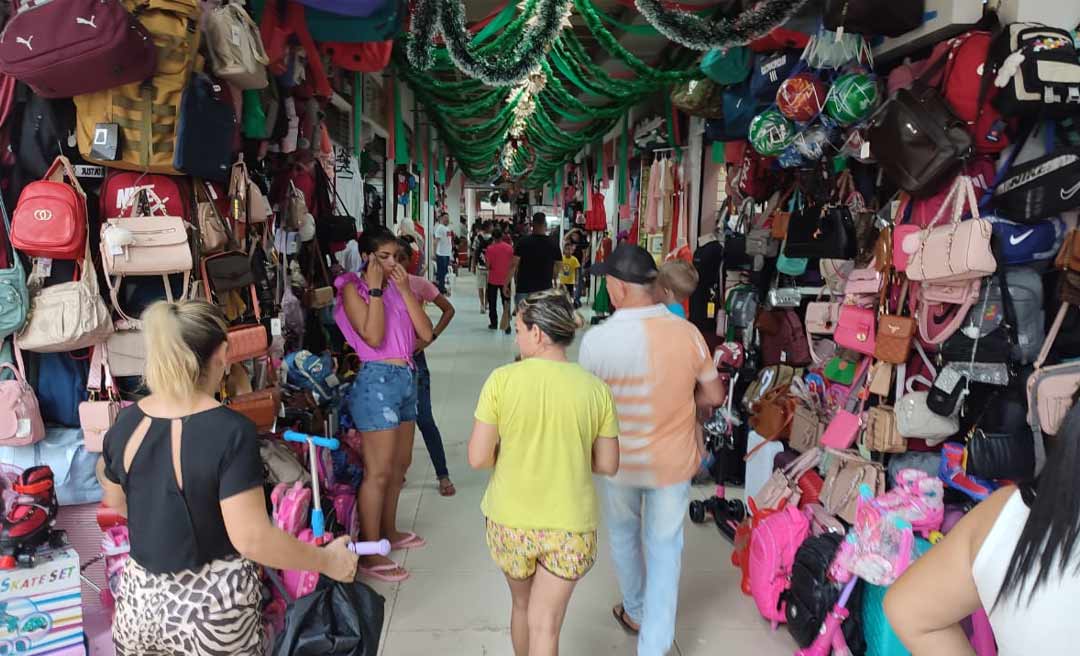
[213,192]
[275,327]
[332,380]
[864,151]
[43,266]
[711,311]
[236,37]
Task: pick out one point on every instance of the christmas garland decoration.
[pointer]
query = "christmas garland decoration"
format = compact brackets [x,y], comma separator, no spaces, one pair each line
[447,17]
[699,33]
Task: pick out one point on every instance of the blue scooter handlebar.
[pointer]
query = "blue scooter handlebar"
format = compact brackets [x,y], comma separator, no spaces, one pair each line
[331,443]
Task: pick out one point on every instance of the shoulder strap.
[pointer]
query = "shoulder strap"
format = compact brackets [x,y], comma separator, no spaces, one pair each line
[16,261]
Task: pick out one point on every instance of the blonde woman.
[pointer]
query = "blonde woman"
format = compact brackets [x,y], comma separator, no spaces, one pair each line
[186,473]
[546,426]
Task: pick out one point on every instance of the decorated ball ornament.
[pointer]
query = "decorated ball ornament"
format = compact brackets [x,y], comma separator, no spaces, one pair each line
[771,132]
[801,97]
[852,98]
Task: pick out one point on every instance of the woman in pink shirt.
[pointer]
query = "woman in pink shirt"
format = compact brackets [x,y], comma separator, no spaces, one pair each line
[381,319]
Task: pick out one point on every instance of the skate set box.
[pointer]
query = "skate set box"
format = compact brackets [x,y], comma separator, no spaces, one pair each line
[40,609]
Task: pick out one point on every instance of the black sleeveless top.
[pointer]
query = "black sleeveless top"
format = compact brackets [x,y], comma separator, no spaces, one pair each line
[172,529]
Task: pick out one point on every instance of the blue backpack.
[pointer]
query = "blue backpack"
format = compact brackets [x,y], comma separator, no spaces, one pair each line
[1025,243]
[61,387]
[315,373]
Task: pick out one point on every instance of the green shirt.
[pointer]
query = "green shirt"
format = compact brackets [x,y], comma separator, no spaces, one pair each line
[548,414]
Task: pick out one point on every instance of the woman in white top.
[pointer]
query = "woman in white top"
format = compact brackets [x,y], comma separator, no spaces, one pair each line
[1016,555]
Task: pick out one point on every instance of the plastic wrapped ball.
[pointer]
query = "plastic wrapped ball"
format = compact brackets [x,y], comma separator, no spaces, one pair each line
[801,97]
[852,98]
[811,143]
[771,132]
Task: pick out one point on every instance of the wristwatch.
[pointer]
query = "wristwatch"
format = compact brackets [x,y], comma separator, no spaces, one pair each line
[375,293]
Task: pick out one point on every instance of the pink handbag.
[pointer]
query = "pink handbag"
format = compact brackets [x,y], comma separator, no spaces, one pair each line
[843,429]
[959,250]
[291,504]
[97,416]
[943,306]
[855,329]
[1050,390]
[20,417]
[821,317]
[863,281]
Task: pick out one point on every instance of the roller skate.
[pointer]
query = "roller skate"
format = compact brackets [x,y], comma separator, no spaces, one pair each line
[28,523]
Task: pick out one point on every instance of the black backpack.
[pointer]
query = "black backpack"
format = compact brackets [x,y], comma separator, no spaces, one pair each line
[812,594]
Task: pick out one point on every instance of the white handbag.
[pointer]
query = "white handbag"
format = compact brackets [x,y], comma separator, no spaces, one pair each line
[915,419]
[68,316]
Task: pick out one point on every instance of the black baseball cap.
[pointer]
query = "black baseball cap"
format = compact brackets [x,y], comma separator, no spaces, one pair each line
[629,263]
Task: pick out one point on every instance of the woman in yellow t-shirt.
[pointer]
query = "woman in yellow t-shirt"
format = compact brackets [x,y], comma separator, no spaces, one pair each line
[546,426]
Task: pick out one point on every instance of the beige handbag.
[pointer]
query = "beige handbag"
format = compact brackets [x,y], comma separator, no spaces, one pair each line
[880,434]
[68,316]
[127,353]
[846,471]
[806,428]
[295,209]
[235,46]
[213,232]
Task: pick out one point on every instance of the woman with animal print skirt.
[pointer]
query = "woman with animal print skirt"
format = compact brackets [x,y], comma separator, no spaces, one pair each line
[186,472]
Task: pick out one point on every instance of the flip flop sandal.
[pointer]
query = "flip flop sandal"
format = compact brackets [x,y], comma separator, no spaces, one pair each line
[624,620]
[446,488]
[378,573]
[410,541]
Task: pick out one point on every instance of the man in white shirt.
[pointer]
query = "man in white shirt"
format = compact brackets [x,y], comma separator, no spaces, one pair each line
[444,249]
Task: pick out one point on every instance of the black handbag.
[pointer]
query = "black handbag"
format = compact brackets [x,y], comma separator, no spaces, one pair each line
[1000,444]
[821,231]
[1046,82]
[813,593]
[1041,188]
[917,139]
[228,271]
[869,17]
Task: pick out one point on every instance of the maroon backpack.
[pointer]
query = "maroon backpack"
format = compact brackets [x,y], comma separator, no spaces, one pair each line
[783,340]
[65,48]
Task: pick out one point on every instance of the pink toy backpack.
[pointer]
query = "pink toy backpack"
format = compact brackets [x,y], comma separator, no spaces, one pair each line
[773,544]
[299,583]
[344,499]
[291,505]
[115,547]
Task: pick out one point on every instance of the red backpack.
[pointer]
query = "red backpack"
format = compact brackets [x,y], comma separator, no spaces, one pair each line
[50,217]
[963,86]
[172,192]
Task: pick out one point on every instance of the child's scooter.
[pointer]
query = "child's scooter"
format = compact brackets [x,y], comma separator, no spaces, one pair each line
[318,522]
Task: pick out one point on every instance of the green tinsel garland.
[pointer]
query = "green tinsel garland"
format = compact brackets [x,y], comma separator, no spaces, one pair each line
[497,68]
[595,24]
[699,33]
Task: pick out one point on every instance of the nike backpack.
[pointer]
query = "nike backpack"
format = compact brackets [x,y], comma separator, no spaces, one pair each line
[134,126]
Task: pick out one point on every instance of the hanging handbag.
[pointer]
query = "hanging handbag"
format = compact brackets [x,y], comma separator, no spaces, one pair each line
[822,317]
[20,417]
[50,217]
[702,98]
[295,208]
[14,294]
[786,486]
[759,239]
[845,473]
[843,429]
[261,407]
[97,415]
[1038,71]
[68,316]
[776,376]
[214,232]
[807,425]
[841,369]
[235,47]
[771,416]
[950,388]
[874,17]
[914,419]
[1000,444]
[822,231]
[958,251]
[126,353]
[895,332]
[956,298]
[880,434]
[856,329]
[1050,390]
[916,137]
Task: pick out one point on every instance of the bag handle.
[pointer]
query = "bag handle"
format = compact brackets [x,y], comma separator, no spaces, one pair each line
[61,168]
[1055,328]
[99,361]
[945,329]
[204,187]
[16,261]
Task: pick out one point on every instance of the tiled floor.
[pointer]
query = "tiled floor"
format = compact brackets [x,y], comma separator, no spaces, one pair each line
[456,601]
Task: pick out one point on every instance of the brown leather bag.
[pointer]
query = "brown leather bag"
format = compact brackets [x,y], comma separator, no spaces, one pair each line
[880,434]
[1068,258]
[772,415]
[845,472]
[807,425]
[895,333]
[260,407]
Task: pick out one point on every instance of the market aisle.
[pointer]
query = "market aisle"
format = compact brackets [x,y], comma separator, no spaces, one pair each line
[456,601]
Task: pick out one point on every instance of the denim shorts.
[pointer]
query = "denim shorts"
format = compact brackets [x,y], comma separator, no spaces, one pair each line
[383,397]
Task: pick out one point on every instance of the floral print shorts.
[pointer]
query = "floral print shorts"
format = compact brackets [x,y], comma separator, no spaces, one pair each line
[517,551]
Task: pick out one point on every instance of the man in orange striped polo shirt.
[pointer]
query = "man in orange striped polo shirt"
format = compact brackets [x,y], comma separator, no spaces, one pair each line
[660,371]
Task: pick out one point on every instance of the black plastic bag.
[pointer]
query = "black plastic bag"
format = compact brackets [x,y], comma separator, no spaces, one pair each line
[338,619]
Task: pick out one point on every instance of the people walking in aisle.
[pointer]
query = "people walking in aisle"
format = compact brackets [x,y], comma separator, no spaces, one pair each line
[546,426]
[481,240]
[382,323]
[500,261]
[568,272]
[186,472]
[444,250]
[537,259]
[1015,555]
[660,371]
[579,241]
[424,290]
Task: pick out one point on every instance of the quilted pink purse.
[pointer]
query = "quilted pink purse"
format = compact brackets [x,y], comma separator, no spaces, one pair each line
[959,250]
[20,417]
[856,329]
[863,281]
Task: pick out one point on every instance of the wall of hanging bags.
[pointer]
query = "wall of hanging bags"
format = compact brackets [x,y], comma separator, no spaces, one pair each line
[904,327]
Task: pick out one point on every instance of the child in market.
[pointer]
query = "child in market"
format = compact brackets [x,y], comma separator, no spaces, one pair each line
[677,281]
[569,272]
